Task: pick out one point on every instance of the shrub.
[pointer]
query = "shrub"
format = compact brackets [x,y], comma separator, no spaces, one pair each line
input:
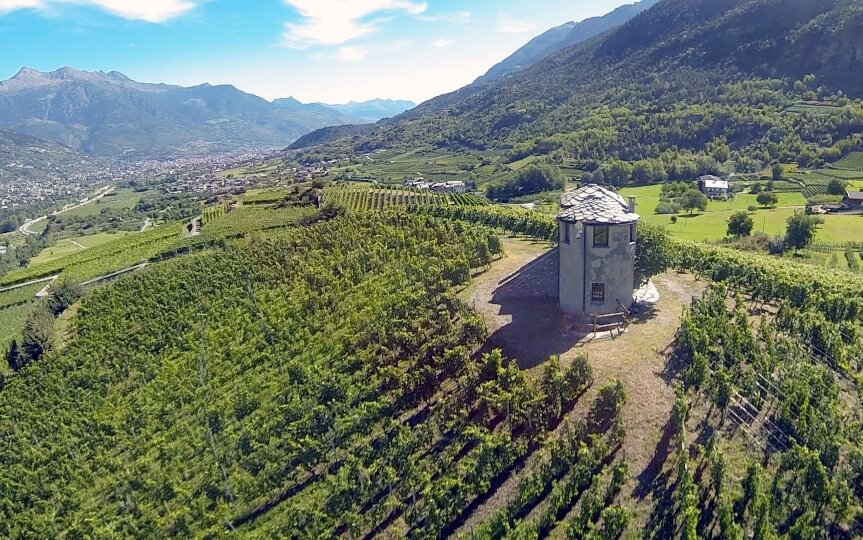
[667,208]
[767,198]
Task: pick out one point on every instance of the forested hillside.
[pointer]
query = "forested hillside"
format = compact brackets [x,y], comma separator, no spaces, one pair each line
[687,85]
[561,37]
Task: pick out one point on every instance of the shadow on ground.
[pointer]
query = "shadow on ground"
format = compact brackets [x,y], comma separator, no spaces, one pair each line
[537,330]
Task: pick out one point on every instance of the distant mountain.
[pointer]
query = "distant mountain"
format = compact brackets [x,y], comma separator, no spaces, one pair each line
[561,37]
[367,112]
[108,114]
[327,134]
[318,113]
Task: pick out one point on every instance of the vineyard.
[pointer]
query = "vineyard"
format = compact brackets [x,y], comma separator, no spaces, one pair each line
[270,432]
[782,383]
[318,376]
[360,198]
[103,259]
[852,162]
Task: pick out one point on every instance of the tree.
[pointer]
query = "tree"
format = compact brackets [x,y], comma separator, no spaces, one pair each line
[63,295]
[531,179]
[836,187]
[653,253]
[801,229]
[740,224]
[778,173]
[767,198]
[38,335]
[693,200]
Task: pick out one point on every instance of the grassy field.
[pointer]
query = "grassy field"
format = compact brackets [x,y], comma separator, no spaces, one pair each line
[69,246]
[39,226]
[711,224]
[124,198]
[247,170]
[812,108]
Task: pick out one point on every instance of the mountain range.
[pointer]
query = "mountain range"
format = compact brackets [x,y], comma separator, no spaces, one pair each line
[111,115]
[678,52]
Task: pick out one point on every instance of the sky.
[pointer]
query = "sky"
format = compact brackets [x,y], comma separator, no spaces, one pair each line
[330,51]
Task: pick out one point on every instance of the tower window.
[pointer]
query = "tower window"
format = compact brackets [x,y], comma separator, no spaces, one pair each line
[600,236]
[597,292]
[566,233]
[632,233]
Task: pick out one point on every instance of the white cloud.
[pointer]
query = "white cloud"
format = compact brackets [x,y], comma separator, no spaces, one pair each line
[456,18]
[442,42]
[507,24]
[333,22]
[12,5]
[154,11]
[352,54]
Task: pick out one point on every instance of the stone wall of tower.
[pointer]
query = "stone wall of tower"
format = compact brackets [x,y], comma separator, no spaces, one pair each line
[582,265]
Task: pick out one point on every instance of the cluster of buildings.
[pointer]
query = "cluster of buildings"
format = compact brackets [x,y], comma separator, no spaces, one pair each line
[27,190]
[453,186]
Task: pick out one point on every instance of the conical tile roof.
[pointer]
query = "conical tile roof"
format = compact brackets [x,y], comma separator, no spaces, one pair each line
[595,204]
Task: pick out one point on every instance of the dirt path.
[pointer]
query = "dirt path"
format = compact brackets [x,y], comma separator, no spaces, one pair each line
[530,331]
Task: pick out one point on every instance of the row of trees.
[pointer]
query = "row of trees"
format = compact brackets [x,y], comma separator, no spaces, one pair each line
[527,181]
[799,233]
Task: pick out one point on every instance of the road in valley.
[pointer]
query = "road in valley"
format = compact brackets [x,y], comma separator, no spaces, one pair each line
[26,230]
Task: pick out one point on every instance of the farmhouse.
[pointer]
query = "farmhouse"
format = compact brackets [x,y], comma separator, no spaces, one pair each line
[598,231]
[713,186]
[853,199]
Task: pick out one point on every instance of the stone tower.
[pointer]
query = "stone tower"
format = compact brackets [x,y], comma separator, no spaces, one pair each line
[598,232]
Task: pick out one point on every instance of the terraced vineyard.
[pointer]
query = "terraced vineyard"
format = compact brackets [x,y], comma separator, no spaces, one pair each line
[103,259]
[853,162]
[246,219]
[356,197]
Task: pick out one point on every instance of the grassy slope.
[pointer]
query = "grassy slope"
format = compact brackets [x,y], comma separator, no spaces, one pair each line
[67,246]
[124,198]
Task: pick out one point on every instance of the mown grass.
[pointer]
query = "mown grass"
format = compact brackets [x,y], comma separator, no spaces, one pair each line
[712,223]
[122,199]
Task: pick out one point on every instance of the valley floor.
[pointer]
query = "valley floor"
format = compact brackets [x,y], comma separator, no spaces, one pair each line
[532,330]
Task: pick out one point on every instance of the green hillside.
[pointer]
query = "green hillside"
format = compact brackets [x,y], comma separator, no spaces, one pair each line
[685,88]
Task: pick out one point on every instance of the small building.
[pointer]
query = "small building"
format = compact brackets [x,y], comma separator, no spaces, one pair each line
[453,186]
[598,233]
[853,200]
[713,186]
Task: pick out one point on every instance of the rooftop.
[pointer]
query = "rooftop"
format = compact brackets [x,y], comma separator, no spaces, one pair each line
[855,195]
[713,182]
[594,204]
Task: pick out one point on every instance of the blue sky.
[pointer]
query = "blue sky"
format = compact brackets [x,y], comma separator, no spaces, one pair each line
[315,50]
